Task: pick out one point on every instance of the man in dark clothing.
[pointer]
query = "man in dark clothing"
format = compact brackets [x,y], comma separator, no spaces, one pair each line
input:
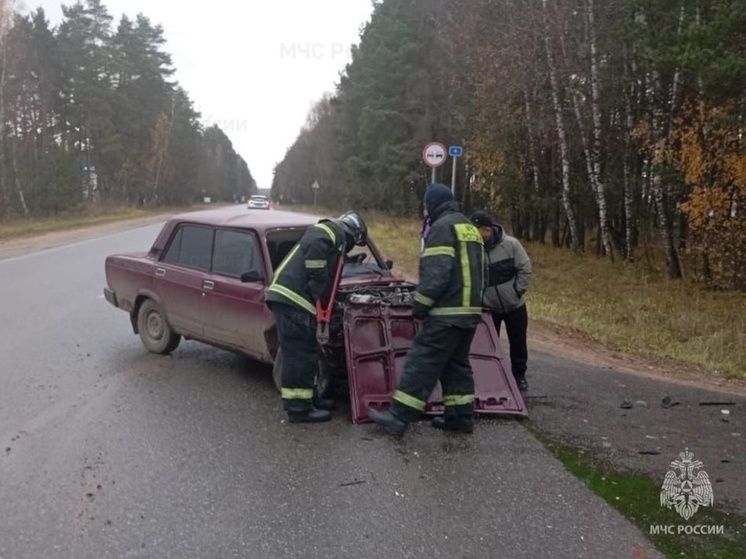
[448,299]
[508,280]
[305,276]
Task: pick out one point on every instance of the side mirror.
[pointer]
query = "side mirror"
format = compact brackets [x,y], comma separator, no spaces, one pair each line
[253,275]
[389,264]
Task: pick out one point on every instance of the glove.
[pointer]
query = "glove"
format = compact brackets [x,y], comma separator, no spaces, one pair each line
[419,311]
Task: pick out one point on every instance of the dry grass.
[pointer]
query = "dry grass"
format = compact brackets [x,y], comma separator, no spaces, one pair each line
[19,227]
[635,308]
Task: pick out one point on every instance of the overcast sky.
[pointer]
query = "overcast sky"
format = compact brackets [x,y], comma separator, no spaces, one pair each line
[254,68]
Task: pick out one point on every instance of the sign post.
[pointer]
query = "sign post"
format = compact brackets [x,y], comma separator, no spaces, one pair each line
[315,186]
[455,152]
[434,155]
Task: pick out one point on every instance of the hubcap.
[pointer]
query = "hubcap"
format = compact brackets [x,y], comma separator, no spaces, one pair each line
[155,326]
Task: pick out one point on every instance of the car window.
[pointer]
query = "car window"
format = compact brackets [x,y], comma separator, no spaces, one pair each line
[191,247]
[280,242]
[236,252]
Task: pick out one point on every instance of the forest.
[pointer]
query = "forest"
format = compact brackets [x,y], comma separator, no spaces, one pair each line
[597,125]
[90,114]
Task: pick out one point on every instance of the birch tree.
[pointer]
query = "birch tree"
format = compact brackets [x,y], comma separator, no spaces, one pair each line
[561,133]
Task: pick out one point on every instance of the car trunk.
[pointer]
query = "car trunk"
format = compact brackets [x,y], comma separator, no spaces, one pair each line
[371,331]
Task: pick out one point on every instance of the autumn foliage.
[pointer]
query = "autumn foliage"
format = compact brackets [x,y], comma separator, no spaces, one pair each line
[708,148]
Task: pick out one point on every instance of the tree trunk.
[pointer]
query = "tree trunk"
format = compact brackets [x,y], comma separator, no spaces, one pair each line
[4,197]
[17,176]
[571,219]
[629,191]
[603,220]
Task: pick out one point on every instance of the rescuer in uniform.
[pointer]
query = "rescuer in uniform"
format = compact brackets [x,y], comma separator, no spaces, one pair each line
[304,276]
[449,300]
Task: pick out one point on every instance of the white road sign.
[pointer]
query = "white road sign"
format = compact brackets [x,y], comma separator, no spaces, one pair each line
[434,154]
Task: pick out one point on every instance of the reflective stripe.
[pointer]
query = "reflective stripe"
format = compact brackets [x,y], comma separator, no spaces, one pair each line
[451,311]
[315,264]
[293,296]
[458,399]
[466,233]
[328,231]
[284,291]
[420,298]
[297,393]
[439,251]
[407,400]
[284,263]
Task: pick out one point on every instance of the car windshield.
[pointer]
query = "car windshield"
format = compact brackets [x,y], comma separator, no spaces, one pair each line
[259,198]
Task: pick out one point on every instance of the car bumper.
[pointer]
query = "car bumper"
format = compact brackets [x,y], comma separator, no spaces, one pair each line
[110,296]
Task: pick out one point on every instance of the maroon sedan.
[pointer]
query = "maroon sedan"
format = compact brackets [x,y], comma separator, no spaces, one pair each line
[205,279]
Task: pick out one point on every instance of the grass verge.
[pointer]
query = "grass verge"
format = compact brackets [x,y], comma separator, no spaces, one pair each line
[637,497]
[19,227]
[635,308]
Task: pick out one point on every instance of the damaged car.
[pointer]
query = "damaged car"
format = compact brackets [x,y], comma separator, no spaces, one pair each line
[204,278]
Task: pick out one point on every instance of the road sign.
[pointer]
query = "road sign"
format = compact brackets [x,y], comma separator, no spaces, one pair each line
[315,185]
[455,151]
[434,154]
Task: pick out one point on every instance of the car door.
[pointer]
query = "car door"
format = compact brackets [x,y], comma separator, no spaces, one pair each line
[181,275]
[235,313]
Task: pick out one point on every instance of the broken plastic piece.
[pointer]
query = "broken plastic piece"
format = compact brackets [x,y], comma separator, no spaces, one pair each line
[668,402]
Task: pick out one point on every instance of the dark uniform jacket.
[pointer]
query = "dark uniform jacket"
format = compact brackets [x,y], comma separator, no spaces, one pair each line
[306,274]
[452,270]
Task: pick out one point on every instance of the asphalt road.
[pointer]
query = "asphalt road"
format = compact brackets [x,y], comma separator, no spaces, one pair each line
[107,451]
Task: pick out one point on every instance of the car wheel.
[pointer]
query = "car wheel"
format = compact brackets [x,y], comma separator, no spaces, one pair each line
[155,333]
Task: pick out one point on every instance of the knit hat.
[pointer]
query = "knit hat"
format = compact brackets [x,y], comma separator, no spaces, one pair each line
[436,195]
[482,219]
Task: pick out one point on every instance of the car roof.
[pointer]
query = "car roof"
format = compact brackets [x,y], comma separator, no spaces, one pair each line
[258,196]
[241,217]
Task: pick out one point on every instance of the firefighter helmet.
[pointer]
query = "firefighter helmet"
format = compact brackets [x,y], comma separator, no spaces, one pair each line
[355,227]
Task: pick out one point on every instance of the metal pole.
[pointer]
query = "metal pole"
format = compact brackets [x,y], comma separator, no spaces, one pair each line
[453,178]
[432,177]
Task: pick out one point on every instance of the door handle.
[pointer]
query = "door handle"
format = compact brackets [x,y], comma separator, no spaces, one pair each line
[208,284]
[160,272]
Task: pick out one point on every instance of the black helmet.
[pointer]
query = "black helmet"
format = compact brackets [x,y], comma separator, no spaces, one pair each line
[355,226]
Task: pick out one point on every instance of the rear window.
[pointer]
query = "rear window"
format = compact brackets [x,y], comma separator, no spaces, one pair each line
[191,246]
[282,241]
[236,253]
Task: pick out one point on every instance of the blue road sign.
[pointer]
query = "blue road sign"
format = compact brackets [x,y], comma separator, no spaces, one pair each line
[455,151]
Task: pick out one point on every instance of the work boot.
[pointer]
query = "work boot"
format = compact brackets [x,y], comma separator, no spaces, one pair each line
[462,424]
[323,404]
[522,384]
[314,415]
[393,424]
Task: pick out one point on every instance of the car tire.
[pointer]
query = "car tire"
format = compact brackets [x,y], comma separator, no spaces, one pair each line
[155,332]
